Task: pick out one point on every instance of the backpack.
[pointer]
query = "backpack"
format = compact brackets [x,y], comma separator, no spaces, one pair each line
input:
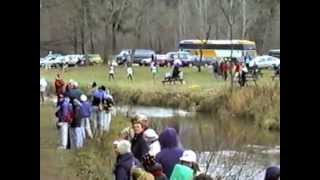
[70,115]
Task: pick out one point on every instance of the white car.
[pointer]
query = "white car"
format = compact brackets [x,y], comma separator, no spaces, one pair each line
[73,59]
[50,60]
[265,61]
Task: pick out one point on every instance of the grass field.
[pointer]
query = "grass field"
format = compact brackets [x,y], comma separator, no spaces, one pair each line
[143,78]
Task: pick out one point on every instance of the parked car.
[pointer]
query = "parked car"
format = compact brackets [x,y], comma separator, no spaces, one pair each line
[73,59]
[138,55]
[121,57]
[94,59]
[185,57]
[274,53]
[50,60]
[265,62]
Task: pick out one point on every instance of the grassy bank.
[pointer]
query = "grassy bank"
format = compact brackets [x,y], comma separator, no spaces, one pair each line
[201,93]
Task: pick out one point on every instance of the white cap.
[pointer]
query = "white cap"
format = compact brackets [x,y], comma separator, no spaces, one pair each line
[83,97]
[150,135]
[189,156]
[123,146]
[75,84]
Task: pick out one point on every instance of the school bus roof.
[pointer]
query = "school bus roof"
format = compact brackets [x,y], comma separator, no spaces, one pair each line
[197,41]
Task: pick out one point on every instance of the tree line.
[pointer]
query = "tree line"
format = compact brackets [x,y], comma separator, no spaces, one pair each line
[107,26]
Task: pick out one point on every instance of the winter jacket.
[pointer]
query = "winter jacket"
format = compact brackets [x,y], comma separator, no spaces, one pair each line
[170,153]
[85,109]
[139,146]
[123,166]
[59,85]
[154,148]
[182,172]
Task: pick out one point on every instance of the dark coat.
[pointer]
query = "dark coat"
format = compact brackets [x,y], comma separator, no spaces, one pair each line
[139,146]
[123,166]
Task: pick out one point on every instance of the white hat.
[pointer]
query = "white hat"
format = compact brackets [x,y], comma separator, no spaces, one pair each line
[150,135]
[123,146]
[189,156]
[75,84]
[83,97]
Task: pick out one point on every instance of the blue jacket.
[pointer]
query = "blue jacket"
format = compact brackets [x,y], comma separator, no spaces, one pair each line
[170,153]
[123,166]
[98,96]
[85,109]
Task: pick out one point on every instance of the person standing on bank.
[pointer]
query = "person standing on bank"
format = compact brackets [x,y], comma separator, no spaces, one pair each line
[85,111]
[139,145]
[76,130]
[64,115]
[125,160]
[43,88]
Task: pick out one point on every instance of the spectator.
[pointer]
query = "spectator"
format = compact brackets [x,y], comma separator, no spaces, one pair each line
[170,153]
[64,115]
[272,173]
[139,145]
[59,85]
[187,167]
[150,165]
[125,160]
[43,88]
[151,137]
[76,130]
[85,110]
[140,174]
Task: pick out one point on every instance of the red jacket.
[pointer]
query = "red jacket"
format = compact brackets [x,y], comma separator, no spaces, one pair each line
[59,85]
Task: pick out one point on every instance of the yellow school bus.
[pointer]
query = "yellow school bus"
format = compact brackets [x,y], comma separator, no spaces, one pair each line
[219,48]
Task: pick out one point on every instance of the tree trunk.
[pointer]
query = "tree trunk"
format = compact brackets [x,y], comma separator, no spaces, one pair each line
[75,38]
[244,19]
[105,47]
[114,39]
[92,49]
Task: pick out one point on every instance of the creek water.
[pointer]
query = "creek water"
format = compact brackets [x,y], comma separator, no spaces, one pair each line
[230,148]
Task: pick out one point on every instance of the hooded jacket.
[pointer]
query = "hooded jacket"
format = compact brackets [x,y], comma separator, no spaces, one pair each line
[123,166]
[170,153]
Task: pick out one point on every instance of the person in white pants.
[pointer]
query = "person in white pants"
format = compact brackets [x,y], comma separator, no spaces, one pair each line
[76,131]
[62,114]
[86,111]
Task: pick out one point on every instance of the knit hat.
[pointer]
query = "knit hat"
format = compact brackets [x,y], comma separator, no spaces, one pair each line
[189,156]
[83,97]
[123,146]
[150,135]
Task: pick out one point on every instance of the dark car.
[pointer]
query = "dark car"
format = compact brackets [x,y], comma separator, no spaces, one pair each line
[139,54]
